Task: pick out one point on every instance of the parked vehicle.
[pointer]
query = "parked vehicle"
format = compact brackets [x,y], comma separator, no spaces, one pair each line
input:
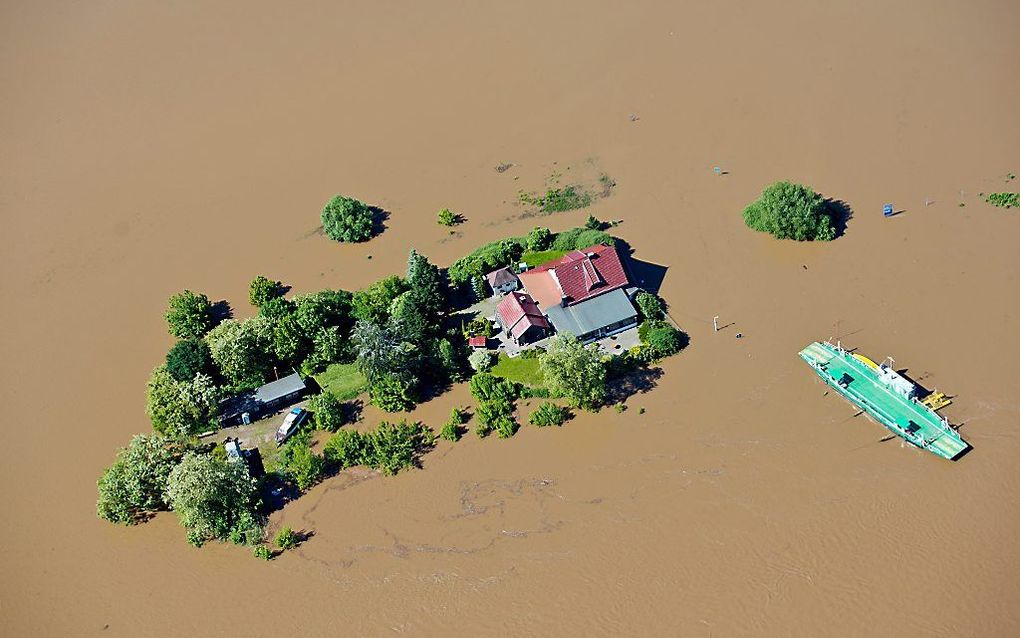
[291,423]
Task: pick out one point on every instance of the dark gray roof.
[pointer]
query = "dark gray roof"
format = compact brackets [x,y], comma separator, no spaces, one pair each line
[280,388]
[593,313]
[500,277]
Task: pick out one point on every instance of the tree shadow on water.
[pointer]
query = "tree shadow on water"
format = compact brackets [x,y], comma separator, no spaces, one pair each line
[639,381]
[841,213]
[379,217]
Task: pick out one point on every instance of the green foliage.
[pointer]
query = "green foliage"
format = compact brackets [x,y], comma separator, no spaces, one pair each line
[189,314]
[479,326]
[262,289]
[574,371]
[382,351]
[327,347]
[791,211]
[181,408]
[324,309]
[620,408]
[480,360]
[241,350]
[538,239]
[542,257]
[578,238]
[486,387]
[262,552]
[549,414]
[593,223]
[425,282]
[275,309]
[136,483]
[497,414]
[302,465]
[286,539]
[373,303]
[1004,200]
[393,393]
[187,358]
[650,305]
[347,220]
[449,360]
[560,199]
[446,217]
[451,430]
[291,344]
[328,412]
[486,259]
[661,339]
[346,449]
[390,448]
[214,500]
[482,429]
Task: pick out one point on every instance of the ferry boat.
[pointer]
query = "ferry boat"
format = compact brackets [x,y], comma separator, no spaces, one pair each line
[887,396]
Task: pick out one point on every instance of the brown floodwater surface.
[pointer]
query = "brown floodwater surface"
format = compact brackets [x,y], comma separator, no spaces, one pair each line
[153,146]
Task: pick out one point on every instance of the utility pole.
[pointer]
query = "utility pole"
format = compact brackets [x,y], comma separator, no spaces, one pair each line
[715,323]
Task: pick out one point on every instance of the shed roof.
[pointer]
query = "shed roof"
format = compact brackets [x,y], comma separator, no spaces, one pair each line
[591,314]
[500,277]
[280,388]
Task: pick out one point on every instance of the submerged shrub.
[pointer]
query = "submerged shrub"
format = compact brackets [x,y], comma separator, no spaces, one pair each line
[791,211]
[549,414]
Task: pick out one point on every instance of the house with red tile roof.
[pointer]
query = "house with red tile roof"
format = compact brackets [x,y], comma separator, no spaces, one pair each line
[585,293]
[520,318]
[576,276]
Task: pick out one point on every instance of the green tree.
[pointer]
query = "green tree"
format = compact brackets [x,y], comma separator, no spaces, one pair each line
[328,412]
[189,314]
[187,358]
[346,449]
[486,387]
[446,217]
[327,347]
[661,339]
[497,414]
[791,211]
[393,393]
[286,539]
[480,360]
[214,500]
[393,447]
[275,309]
[425,280]
[241,350]
[382,351]
[593,223]
[262,552]
[324,309]
[451,430]
[291,344]
[305,467]
[373,303]
[181,408]
[409,317]
[347,220]
[136,483]
[262,289]
[549,414]
[539,239]
[574,371]
[650,305]
[448,360]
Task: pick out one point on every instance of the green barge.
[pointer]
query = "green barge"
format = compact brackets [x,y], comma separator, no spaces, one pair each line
[887,396]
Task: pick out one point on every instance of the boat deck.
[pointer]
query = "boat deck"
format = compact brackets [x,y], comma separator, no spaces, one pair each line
[907,418]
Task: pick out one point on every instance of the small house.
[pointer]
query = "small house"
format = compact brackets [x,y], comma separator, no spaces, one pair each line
[268,398]
[520,319]
[502,281]
[478,342]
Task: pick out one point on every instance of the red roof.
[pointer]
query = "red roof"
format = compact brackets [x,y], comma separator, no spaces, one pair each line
[517,311]
[585,273]
[478,341]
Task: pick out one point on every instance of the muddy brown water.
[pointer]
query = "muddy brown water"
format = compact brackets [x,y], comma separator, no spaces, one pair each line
[153,146]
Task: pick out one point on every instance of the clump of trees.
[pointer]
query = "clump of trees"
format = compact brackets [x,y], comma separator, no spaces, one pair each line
[791,211]
[215,500]
[651,306]
[480,360]
[446,217]
[189,314]
[660,339]
[287,539]
[300,463]
[328,412]
[506,252]
[262,289]
[495,410]
[135,485]
[391,447]
[347,220]
[451,430]
[180,409]
[189,357]
[549,414]
[575,372]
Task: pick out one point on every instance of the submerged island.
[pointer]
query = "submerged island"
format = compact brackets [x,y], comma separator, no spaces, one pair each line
[555,316]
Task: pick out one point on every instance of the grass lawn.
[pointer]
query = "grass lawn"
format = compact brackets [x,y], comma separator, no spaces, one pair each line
[539,258]
[521,370]
[343,380]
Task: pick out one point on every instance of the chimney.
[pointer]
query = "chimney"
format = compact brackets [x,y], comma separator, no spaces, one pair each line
[563,301]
